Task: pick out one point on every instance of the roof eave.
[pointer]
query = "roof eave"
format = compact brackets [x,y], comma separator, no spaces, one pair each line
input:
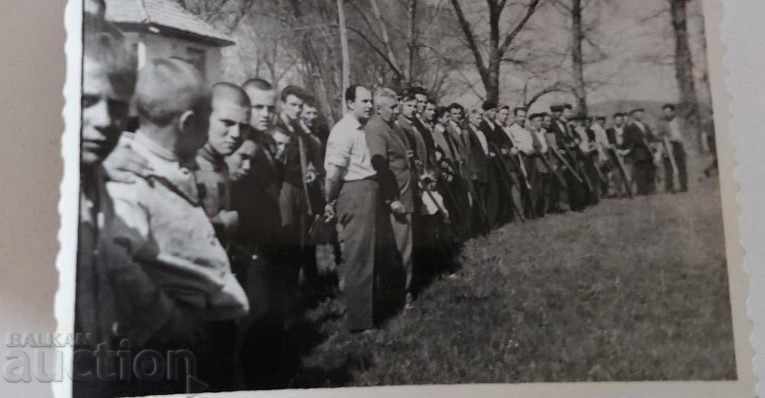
[174,32]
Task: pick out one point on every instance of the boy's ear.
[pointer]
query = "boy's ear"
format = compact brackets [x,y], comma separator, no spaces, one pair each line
[186,120]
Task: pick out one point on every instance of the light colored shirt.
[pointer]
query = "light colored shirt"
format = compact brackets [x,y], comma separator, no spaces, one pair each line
[347,149]
[167,231]
[619,135]
[673,129]
[521,138]
[542,140]
[600,134]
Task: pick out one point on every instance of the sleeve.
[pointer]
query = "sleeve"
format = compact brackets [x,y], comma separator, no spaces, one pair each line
[339,147]
[145,310]
[131,229]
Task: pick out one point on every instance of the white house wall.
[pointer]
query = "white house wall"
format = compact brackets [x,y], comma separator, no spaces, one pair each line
[151,46]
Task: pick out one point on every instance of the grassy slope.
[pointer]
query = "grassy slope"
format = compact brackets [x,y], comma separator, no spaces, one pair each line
[629,290]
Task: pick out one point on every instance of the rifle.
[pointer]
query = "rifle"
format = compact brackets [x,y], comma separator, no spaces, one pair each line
[306,233]
[672,161]
[499,165]
[524,173]
[552,169]
[622,171]
[566,164]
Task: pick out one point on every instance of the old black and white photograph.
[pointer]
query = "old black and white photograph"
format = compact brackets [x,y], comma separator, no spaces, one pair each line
[300,194]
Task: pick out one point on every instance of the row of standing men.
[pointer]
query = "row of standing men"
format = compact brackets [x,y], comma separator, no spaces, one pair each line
[411,160]
[200,227]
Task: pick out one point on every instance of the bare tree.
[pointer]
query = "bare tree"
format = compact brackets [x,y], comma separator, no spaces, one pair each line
[488,66]
[689,104]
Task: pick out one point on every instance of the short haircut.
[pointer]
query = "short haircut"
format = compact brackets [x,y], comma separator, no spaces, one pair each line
[431,101]
[505,107]
[310,100]
[418,90]
[167,87]
[231,91]
[601,118]
[292,90]
[455,105]
[441,111]
[408,95]
[351,91]
[105,45]
[385,93]
[536,116]
[258,84]
[619,114]
[567,106]
[487,105]
[669,106]
[518,109]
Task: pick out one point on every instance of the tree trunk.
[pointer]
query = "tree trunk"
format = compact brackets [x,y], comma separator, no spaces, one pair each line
[346,66]
[412,41]
[689,104]
[577,56]
[492,82]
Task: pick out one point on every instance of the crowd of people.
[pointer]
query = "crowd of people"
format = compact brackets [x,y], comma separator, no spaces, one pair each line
[205,221]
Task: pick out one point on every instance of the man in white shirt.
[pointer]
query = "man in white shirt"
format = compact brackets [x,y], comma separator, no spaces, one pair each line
[352,195]
[524,142]
[674,155]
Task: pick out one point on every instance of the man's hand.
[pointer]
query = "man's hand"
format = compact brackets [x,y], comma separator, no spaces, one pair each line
[125,165]
[397,208]
[310,176]
[329,212]
[228,219]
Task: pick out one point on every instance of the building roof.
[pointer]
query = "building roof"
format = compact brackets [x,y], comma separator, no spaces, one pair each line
[164,17]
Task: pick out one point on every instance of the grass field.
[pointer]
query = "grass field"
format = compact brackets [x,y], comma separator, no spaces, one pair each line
[629,290]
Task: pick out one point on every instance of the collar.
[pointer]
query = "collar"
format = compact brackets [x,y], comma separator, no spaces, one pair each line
[158,150]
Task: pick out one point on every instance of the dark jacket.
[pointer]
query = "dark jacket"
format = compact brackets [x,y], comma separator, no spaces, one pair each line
[638,142]
[479,160]
[388,148]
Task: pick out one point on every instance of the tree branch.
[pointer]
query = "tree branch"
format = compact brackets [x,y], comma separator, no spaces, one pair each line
[471,40]
[530,10]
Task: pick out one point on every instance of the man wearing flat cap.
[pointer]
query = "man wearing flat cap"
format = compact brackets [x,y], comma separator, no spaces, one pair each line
[565,140]
[638,139]
[621,180]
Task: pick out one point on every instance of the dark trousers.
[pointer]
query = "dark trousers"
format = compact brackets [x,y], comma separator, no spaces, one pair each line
[544,193]
[591,171]
[644,176]
[480,207]
[359,211]
[528,193]
[678,151]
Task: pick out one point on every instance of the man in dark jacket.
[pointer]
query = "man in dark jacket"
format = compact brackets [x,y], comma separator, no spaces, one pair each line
[638,138]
